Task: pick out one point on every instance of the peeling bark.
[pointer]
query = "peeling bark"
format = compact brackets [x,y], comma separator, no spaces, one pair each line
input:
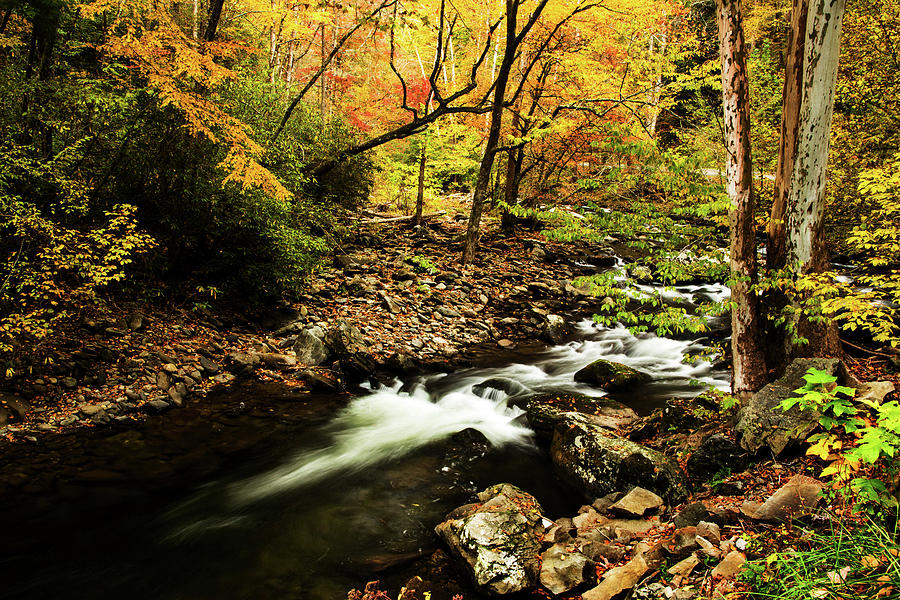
[748,360]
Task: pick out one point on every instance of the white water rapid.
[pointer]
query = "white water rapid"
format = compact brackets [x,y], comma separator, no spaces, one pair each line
[394,421]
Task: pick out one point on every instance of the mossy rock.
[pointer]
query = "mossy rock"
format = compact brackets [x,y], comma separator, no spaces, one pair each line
[610,375]
[545,410]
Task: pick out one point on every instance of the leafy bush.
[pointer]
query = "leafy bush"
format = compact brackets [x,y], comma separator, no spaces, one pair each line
[859,446]
[55,255]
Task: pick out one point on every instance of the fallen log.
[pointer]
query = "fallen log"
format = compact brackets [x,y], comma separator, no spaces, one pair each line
[402,218]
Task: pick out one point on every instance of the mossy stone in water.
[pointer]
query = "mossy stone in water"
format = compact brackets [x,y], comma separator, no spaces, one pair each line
[610,375]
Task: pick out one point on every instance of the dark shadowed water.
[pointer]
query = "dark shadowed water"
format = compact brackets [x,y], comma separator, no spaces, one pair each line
[296,495]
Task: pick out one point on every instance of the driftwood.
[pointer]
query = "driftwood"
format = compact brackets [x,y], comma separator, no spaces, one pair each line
[402,218]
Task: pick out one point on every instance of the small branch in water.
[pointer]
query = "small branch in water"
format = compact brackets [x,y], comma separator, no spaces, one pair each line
[403,218]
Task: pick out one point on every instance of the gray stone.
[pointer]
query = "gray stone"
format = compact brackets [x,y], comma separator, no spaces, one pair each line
[637,503]
[563,570]
[163,380]
[209,366]
[555,329]
[489,387]
[156,406]
[498,541]
[599,462]
[610,375]
[274,360]
[715,453]
[598,551]
[545,411]
[309,346]
[690,515]
[762,423]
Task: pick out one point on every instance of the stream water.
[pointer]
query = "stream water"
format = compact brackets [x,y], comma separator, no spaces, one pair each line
[296,499]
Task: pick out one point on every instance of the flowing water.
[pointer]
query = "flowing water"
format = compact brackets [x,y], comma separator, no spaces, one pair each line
[305,510]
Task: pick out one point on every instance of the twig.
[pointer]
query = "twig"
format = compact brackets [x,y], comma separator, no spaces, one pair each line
[874,352]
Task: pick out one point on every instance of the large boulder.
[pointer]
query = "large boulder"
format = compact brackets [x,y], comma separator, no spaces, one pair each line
[716,454]
[762,423]
[544,411]
[610,375]
[498,540]
[599,462]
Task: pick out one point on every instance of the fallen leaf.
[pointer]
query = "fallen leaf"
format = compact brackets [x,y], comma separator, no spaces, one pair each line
[838,576]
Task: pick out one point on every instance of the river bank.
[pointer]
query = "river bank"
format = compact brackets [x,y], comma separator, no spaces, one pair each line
[400,296]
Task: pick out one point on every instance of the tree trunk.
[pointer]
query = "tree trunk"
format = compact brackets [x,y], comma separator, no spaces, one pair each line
[496,120]
[420,192]
[212,25]
[796,234]
[749,369]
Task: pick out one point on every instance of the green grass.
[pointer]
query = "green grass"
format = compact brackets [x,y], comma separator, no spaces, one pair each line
[844,561]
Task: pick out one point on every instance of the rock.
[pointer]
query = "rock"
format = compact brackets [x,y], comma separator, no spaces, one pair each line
[715,454]
[506,344]
[563,570]
[163,380]
[874,392]
[499,541]
[322,382]
[637,503]
[489,388]
[600,463]
[156,406]
[546,410]
[309,346]
[135,321]
[685,567]
[794,499]
[389,303]
[273,360]
[599,551]
[70,383]
[730,566]
[709,531]
[690,515]
[209,366]
[683,541]
[555,329]
[243,363]
[92,410]
[762,423]
[610,375]
[176,396]
[619,579]
[15,404]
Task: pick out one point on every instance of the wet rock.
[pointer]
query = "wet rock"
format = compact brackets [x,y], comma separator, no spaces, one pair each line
[762,423]
[499,541]
[555,329]
[690,515]
[486,388]
[163,380]
[731,565]
[794,499]
[563,570]
[715,454]
[610,375]
[599,462]
[545,411]
[637,503]
[322,382]
[135,322]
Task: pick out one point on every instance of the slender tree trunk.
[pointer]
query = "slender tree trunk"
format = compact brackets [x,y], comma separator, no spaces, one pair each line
[496,120]
[195,20]
[748,361]
[420,192]
[795,233]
